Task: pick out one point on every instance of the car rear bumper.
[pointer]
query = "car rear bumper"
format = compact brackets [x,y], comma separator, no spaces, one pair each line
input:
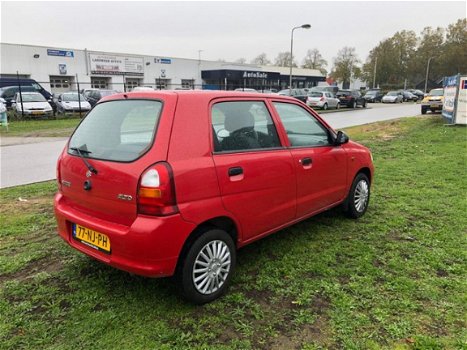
[149,247]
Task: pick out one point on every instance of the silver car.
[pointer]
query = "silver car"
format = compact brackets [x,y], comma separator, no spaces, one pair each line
[392,97]
[322,99]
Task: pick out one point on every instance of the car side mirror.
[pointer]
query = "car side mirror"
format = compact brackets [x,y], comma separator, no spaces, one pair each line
[341,138]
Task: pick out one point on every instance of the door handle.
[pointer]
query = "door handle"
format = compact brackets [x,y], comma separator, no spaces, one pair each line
[306,161]
[235,171]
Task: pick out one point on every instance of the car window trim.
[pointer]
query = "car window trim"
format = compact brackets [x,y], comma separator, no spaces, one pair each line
[328,128]
[242,99]
[150,145]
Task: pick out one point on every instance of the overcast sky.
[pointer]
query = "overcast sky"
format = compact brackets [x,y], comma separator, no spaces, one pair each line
[227,30]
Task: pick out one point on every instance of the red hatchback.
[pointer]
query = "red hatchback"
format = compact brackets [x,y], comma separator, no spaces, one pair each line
[164,183]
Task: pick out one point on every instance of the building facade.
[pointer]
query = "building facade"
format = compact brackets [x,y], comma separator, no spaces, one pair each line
[63,69]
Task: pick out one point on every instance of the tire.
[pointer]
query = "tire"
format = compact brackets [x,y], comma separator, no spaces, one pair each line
[338,106]
[364,104]
[212,254]
[423,110]
[325,107]
[354,104]
[357,201]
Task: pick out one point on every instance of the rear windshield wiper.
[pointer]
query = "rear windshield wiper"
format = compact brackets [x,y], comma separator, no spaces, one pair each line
[80,154]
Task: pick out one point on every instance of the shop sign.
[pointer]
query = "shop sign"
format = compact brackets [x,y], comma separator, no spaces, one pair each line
[162,60]
[62,68]
[61,53]
[258,75]
[116,65]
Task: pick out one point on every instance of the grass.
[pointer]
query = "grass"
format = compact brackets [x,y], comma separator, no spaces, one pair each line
[395,279]
[63,127]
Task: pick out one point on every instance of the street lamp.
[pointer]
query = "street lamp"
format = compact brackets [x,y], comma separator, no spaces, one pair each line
[374,72]
[199,68]
[304,26]
[427,70]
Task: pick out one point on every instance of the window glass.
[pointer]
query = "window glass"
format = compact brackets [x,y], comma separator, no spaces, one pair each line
[242,125]
[117,130]
[302,128]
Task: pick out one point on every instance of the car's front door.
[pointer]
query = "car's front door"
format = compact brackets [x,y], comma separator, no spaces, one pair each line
[255,172]
[321,167]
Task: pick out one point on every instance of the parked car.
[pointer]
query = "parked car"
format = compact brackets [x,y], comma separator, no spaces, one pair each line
[433,101]
[246,90]
[26,85]
[417,93]
[33,104]
[351,98]
[94,95]
[174,183]
[8,93]
[332,89]
[373,96]
[408,96]
[299,94]
[72,102]
[322,99]
[392,97]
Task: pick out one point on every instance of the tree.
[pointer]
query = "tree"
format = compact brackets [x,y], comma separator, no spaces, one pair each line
[344,65]
[455,48]
[314,60]
[283,60]
[261,59]
[241,60]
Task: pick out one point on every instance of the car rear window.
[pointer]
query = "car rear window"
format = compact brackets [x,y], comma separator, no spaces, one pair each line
[120,131]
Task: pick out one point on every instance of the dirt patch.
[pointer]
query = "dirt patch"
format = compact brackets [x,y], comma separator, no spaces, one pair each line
[47,264]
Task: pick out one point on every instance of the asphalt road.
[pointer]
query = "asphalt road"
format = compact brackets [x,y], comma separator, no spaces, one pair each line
[35,161]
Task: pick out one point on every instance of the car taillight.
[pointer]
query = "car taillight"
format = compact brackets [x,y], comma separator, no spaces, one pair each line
[321,99]
[156,192]
[348,97]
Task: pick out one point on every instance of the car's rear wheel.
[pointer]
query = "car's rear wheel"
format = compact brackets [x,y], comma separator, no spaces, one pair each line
[208,265]
[423,110]
[358,198]
[354,104]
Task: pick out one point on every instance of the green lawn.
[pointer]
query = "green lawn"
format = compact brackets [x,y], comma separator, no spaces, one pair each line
[63,126]
[395,279]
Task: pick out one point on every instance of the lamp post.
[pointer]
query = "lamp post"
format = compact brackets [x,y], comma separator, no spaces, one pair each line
[427,70]
[374,72]
[304,26]
[199,68]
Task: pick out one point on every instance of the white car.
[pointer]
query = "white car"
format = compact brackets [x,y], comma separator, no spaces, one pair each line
[322,99]
[71,102]
[392,97]
[31,104]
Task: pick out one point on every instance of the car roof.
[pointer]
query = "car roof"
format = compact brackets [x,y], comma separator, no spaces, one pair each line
[207,94]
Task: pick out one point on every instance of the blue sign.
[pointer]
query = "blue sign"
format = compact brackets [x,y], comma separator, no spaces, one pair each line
[162,60]
[450,85]
[61,53]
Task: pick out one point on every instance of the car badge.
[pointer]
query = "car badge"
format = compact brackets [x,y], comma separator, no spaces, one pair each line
[88,173]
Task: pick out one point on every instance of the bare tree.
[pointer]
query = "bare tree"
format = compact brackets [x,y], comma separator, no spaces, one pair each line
[261,59]
[283,60]
[314,60]
[241,60]
[345,65]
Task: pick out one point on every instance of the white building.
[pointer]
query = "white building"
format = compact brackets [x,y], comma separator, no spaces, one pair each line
[59,69]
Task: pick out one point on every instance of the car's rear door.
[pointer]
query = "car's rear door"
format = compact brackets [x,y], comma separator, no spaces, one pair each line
[321,167]
[255,172]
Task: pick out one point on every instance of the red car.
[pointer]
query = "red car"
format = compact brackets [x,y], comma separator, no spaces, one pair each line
[173,182]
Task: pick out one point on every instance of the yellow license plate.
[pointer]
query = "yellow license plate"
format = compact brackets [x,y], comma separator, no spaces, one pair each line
[37,112]
[435,106]
[91,238]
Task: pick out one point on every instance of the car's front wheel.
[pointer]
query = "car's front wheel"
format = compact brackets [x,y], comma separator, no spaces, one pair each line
[358,198]
[354,104]
[325,106]
[208,266]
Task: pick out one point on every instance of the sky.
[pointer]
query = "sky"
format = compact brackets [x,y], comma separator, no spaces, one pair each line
[221,29]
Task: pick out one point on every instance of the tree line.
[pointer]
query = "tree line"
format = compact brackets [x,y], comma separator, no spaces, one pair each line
[398,61]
